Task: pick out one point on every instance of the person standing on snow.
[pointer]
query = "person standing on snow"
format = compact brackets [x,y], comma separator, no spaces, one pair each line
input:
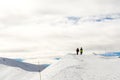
[77,51]
[81,50]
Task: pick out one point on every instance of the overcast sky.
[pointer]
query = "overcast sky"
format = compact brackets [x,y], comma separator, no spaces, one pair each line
[29,23]
[21,11]
[66,7]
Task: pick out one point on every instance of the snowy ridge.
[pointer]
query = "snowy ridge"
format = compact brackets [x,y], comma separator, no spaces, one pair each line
[86,67]
[12,70]
[25,66]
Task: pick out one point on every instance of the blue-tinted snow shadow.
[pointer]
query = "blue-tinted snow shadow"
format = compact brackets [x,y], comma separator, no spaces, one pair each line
[23,65]
[111,54]
[19,60]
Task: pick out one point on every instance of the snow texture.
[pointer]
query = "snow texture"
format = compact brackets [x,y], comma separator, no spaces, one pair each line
[85,67]
[14,70]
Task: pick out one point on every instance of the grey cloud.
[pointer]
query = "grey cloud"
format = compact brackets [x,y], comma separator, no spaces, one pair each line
[81,7]
[57,7]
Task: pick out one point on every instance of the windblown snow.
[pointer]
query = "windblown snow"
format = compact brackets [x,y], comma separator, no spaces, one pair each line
[85,67]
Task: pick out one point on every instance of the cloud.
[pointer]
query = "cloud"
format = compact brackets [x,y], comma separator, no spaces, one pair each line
[39,8]
[81,7]
[42,24]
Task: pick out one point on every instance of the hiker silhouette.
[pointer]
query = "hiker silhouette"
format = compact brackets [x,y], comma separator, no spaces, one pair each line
[81,50]
[77,51]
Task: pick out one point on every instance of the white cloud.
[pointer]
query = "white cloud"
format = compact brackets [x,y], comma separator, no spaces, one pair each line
[81,7]
[19,9]
[67,7]
[40,24]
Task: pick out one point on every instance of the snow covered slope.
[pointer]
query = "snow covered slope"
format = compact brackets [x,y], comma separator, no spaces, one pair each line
[85,67]
[14,70]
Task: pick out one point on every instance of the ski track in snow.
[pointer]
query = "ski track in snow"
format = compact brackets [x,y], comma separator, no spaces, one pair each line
[86,67]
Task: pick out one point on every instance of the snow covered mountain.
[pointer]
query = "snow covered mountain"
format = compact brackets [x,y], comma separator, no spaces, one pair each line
[85,67]
[43,31]
[71,66]
[13,70]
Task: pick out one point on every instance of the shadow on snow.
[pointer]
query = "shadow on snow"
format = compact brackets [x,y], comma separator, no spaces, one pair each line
[23,65]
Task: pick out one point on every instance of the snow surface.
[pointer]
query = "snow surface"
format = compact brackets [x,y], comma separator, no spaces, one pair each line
[13,70]
[70,67]
[43,30]
[85,67]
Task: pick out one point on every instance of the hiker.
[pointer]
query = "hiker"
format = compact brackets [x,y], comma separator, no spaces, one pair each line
[81,50]
[77,51]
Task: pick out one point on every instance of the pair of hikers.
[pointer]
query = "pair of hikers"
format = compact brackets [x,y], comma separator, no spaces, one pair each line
[79,50]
